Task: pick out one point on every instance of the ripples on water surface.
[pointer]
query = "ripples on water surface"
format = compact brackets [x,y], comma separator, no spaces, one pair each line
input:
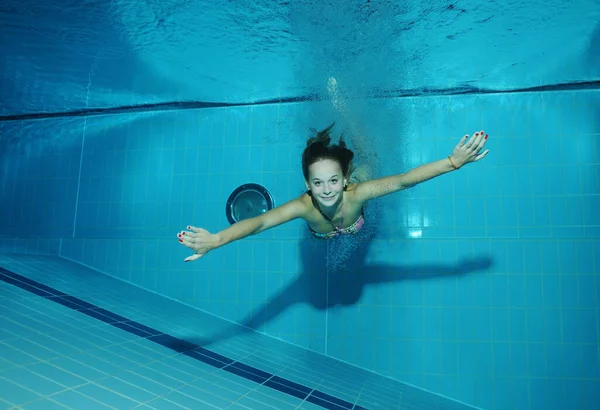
[72,54]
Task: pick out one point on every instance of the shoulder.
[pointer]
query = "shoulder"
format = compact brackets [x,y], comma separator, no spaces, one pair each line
[304,203]
[354,195]
[375,188]
[299,206]
[295,208]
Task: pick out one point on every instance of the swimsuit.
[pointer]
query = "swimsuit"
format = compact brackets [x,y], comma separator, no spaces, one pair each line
[352,229]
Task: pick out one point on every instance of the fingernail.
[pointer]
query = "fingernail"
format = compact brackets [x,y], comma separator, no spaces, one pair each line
[181,240]
[189,227]
[486,136]
[183,233]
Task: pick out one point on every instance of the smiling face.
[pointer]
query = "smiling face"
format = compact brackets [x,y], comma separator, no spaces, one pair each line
[326,182]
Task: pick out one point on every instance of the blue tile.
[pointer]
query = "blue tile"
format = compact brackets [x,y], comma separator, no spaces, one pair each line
[43,404]
[590,361]
[32,349]
[91,370]
[519,359]
[236,406]
[534,290]
[15,356]
[72,399]
[220,387]
[16,394]
[57,375]
[570,325]
[500,292]
[146,382]
[518,325]
[6,365]
[555,396]
[449,319]
[587,332]
[205,394]
[57,346]
[482,324]
[590,393]
[187,401]
[105,396]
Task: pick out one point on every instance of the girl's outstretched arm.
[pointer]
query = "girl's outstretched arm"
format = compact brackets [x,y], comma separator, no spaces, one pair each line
[201,241]
[465,152]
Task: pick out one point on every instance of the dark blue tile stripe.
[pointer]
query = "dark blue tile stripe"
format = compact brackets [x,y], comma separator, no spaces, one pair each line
[324,403]
[284,388]
[253,370]
[31,282]
[198,355]
[192,350]
[332,399]
[292,385]
[246,375]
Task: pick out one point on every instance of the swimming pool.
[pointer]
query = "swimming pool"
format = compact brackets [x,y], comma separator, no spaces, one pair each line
[123,122]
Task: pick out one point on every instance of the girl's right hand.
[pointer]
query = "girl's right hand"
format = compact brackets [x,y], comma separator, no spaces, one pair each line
[199,240]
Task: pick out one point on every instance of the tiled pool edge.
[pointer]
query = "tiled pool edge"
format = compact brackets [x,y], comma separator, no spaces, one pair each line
[191,350]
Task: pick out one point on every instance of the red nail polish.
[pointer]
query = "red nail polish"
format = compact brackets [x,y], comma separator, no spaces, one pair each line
[486,136]
[183,233]
[181,240]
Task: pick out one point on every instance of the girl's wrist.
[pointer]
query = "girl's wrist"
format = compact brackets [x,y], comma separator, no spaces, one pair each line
[453,162]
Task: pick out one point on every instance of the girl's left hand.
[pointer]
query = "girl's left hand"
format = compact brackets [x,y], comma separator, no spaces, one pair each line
[470,151]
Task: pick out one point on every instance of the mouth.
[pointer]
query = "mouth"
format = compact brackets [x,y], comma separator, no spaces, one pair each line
[328,198]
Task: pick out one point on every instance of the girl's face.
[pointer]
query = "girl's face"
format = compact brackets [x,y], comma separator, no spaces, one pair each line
[326,182]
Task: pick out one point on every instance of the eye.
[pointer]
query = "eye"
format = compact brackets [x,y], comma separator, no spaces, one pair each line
[334,181]
[317,183]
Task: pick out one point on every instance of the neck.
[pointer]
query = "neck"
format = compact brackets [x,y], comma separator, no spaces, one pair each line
[332,209]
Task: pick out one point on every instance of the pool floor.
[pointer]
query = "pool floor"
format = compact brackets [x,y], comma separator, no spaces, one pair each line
[72,337]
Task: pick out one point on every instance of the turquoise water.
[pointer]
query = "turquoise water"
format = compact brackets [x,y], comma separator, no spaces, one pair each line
[477,289]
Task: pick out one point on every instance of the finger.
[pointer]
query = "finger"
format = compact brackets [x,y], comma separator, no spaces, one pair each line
[192,257]
[194,229]
[186,240]
[187,234]
[482,142]
[470,143]
[482,155]
[475,141]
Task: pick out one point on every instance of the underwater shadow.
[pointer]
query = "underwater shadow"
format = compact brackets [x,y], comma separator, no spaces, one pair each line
[328,280]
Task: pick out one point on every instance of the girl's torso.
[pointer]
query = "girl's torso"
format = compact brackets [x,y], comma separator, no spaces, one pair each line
[347,215]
